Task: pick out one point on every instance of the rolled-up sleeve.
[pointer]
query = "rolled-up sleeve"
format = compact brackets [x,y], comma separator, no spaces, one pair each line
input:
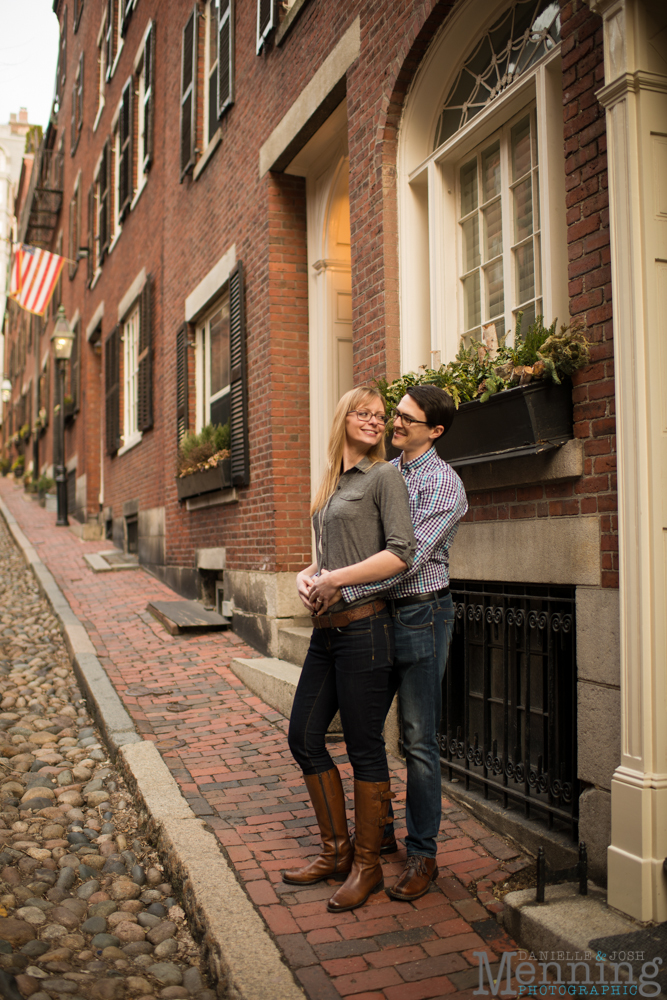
[391,497]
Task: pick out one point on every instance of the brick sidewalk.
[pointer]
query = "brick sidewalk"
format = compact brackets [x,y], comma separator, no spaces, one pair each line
[228,752]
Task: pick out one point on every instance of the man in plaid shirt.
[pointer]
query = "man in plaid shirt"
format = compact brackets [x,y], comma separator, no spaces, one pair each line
[423,621]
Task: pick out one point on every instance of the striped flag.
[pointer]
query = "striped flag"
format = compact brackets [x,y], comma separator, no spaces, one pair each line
[34,276]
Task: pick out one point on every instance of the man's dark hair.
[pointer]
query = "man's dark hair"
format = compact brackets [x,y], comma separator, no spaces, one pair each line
[438,405]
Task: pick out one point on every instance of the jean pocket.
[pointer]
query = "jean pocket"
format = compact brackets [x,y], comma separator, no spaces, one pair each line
[415,616]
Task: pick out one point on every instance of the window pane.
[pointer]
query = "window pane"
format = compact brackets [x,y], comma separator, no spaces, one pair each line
[521,159]
[491,171]
[472,306]
[213,34]
[528,317]
[212,104]
[525,272]
[493,230]
[219,348]
[495,293]
[471,255]
[523,210]
[468,187]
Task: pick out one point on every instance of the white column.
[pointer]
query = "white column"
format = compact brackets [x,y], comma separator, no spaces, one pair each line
[635,98]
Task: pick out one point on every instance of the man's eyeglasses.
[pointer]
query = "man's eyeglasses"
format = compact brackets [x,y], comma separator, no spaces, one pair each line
[405,419]
[365,416]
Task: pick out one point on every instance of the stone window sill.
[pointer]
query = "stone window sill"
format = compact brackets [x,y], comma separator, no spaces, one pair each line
[289,19]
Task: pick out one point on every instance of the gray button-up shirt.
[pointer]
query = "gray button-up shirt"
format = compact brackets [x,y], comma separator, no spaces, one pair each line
[368,513]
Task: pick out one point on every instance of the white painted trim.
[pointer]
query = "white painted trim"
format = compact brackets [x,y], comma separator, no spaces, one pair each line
[312,96]
[210,285]
[132,443]
[138,192]
[98,116]
[96,277]
[140,51]
[95,321]
[215,141]
[132,294]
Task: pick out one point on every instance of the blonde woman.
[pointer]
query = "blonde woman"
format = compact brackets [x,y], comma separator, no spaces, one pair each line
[363,533]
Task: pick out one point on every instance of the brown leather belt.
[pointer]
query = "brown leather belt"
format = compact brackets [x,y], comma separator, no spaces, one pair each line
[342,618]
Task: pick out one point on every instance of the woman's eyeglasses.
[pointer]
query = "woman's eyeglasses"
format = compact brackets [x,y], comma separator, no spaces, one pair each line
[365,416]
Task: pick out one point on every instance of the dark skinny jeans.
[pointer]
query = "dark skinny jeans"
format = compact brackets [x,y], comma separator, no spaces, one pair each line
[346,668]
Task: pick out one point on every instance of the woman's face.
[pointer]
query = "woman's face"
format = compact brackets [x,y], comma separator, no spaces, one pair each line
[365,433]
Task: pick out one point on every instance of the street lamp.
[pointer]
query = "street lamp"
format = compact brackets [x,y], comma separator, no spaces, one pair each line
[6,389]
[62,339]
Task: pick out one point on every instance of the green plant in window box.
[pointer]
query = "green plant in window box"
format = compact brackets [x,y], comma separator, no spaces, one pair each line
[45,485]
[482,369]
[199,452]
[24,432]
[5,465]
[18,465]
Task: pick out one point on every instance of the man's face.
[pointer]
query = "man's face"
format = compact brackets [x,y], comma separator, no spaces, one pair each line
[413,438]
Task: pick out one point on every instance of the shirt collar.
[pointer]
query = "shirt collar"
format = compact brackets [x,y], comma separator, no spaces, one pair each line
[364,464]
[422,461]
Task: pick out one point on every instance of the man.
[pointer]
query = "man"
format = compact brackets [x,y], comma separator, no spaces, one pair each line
[423,621]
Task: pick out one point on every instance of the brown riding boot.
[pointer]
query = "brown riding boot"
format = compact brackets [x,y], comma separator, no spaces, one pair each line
[326,794]
[371,802]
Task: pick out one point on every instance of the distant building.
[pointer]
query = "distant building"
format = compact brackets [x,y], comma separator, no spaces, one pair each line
[265,203]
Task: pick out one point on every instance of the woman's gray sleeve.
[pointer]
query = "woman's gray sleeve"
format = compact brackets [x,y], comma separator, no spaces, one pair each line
[393,503]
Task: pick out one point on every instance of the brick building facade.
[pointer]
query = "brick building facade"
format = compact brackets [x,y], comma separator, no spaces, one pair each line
[263,207]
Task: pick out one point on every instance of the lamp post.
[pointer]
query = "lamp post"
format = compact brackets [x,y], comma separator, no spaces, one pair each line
[62,339]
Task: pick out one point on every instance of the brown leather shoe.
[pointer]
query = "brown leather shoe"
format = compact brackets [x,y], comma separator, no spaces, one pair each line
[416,879]
[371,801]
[335,861]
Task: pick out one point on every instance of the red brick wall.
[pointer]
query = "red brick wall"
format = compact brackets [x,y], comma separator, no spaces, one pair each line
[179,231]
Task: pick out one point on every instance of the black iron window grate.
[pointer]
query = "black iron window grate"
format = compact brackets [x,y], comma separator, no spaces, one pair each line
[509,720]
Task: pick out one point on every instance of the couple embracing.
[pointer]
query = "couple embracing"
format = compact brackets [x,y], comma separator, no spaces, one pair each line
[382,613]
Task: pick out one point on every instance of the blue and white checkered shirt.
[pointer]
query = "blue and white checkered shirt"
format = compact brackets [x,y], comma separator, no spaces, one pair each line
[437,504]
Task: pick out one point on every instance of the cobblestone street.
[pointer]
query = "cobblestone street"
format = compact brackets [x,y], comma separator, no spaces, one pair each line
[228,752]
[85,907]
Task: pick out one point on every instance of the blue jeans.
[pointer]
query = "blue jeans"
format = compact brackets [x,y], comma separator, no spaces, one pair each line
[345,668]
[422,633]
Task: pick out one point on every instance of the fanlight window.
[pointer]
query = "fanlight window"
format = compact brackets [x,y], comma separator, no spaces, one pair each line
[518,39]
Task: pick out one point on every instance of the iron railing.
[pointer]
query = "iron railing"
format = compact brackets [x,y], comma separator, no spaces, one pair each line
[509,721]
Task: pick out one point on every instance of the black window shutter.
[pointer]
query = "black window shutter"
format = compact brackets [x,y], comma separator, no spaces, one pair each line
[181,383]
[75,369]
[265,20]
[79,97]
[225,55]
[112,390]
[91,233]
[149,102]
[78,7]
[104,224]
[62,65]
[108,39]
[74,134]
[238,380]
[145,394]
[125,164]
[71,242]
[125,14]
[44,387]
[188,94]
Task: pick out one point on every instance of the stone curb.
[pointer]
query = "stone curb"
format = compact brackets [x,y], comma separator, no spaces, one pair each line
[237,947]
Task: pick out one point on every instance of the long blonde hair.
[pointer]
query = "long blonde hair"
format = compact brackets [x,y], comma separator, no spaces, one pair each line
[350,401]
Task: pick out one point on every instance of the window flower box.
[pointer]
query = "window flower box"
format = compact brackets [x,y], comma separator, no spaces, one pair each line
[522,421]
[209,481]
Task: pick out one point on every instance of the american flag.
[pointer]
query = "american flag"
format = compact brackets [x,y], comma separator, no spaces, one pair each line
[34,276]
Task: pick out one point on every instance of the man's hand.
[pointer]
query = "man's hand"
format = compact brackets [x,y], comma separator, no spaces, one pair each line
[324,592]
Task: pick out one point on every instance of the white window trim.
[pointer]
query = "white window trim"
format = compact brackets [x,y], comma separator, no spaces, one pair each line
[428,220]
[101,100]
[207,72]
[131,434]
[202,373]
[138,71]
[131,443]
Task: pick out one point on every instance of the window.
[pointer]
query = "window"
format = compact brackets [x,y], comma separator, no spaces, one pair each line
[207,78]
[58,290]
[498,196]
[102,206]
[126,8]
[62,58]
[102,47]
[214,363]
[77,106]
[113,36]
[131,377]
[265,21]
[125,171]
[74,228]
[145,107]
[220,375]
[78,9]
[483,194]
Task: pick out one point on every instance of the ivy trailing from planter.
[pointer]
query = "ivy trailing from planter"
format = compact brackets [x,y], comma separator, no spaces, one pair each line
[484,369]
[206,450]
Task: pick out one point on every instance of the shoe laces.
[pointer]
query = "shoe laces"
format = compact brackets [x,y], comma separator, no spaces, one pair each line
[418,862]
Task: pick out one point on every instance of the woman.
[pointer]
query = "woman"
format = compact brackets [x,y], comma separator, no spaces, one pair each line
[363,533]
